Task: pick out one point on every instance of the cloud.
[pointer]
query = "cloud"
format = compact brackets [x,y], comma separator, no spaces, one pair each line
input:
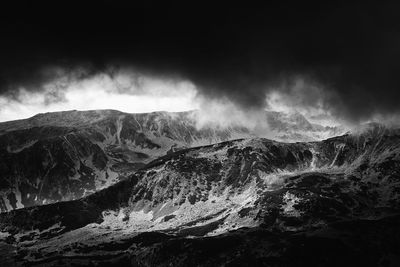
[100,91]
[339,59]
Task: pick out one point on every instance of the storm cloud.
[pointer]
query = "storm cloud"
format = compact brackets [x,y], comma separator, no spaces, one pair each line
[345,55]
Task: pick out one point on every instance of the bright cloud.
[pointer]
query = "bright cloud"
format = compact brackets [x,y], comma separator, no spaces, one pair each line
[122,91]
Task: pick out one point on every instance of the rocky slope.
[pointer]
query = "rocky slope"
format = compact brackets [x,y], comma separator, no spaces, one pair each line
[245,202]
[66,155]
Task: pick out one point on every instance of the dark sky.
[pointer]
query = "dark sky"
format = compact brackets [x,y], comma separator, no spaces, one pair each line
[227,50]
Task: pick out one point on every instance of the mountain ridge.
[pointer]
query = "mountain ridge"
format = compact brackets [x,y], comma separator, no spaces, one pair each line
[244,189]
[66,155]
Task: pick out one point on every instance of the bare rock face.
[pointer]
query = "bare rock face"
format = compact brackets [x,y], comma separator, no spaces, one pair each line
[244,202]
[67,155]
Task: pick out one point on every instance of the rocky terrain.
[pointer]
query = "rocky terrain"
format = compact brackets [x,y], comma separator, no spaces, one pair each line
[66,155]
[63,156]
[246,202]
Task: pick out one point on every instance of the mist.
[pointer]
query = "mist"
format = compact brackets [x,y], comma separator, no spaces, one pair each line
[133,90]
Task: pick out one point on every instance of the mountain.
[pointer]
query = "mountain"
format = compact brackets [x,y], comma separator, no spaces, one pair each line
[66,155]
[62,156]
[244,202]
[294,127]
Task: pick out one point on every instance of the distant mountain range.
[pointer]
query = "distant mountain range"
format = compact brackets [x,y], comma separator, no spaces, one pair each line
[66,155]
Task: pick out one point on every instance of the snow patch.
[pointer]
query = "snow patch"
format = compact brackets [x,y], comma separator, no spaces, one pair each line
[288,208]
